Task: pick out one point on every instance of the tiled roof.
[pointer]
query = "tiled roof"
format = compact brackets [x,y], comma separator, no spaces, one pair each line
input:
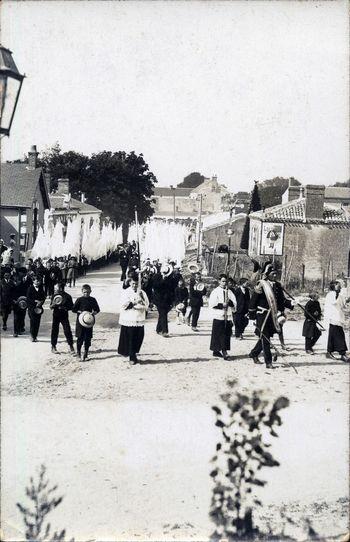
[167,191]
[20,186]
[75,205]
[294,211]
[337,192]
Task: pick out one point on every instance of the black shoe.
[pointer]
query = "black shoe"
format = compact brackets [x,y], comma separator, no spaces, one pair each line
[54,350]
[217,354]
[225,355]
[269,366]
[255,359]
[311,352]
[345,358]
[71,349]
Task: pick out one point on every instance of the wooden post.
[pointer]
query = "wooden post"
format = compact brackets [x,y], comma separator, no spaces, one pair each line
[303,276]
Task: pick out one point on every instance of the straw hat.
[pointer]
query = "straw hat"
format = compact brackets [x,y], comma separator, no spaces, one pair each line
[86,319]
[22,302]
[57,299]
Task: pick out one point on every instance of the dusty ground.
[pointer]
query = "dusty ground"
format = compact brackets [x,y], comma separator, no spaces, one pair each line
[130,446]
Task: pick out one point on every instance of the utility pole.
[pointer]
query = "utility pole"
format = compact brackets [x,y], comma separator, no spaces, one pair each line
[174,202]
[199,227]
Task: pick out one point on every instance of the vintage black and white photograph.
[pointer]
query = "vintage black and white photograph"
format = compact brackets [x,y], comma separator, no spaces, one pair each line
[175,270]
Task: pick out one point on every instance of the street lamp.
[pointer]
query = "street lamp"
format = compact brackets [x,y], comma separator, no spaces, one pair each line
[229,233]
[10,87]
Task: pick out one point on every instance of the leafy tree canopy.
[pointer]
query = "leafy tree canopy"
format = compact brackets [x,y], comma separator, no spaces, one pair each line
[115,182]
[192,180]
[271,190]
[345,184]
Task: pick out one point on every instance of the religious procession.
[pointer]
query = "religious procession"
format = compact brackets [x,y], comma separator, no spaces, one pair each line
[160,286]
[174,271]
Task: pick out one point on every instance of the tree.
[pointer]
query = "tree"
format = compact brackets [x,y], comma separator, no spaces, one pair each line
[271,190]
[255,205]
[115,182]
[69,164]
[192,180]
[345,184]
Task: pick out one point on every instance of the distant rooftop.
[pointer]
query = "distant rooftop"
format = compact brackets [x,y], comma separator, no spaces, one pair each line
[167,191]
[74,204]
[294,211]
[19,185]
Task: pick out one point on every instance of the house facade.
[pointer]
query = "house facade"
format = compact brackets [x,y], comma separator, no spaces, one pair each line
[24,199]
[64,207]
[185,202]
[308,236]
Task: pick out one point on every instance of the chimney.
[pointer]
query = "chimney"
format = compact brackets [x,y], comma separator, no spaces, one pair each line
[62,186]
[314,201]
[32,157]
[293,191]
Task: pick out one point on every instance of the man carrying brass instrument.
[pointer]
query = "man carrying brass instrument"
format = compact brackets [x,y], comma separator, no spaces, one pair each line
[197,292]
[223,304]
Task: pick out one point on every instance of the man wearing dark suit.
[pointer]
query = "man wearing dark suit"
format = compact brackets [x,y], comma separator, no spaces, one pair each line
[20,290]
[197,292]
[124,262]
[268,298]
[60,316]
[7,289]
[243,298]
[163,298]
[35,299]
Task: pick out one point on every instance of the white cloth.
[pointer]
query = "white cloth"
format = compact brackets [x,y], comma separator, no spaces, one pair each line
[217,296]
[134,316]
[334,309]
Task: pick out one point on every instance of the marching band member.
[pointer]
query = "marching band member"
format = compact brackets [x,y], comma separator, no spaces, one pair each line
[243,298]
[61,303]
[163,298]
[223,304]
[267,299]
[133,306]
[334,314]
[197,292]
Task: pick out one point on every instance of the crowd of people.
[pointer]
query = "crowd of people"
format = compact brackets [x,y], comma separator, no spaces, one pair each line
[162,287]
[232,305]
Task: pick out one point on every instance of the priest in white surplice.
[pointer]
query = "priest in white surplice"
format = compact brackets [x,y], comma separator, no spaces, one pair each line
[222,303]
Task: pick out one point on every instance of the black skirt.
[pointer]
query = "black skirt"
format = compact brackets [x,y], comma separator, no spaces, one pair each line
[336,339]
[221,335]
[130,340]
[309,328]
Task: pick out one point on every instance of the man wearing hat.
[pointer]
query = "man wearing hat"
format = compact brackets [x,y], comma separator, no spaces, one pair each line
[19,301]
[35,300]
[6,296]
[267,300]
[163,298]
[61,303]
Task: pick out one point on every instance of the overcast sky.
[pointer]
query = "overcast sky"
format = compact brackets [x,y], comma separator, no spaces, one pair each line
[245,90]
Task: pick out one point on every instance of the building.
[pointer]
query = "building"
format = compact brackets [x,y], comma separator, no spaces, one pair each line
[63,206]
[334,195]
[24,198]
[185,202]
[309,236]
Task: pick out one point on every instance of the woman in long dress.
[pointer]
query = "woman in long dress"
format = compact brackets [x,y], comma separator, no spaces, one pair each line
[334,314]
[133,306]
